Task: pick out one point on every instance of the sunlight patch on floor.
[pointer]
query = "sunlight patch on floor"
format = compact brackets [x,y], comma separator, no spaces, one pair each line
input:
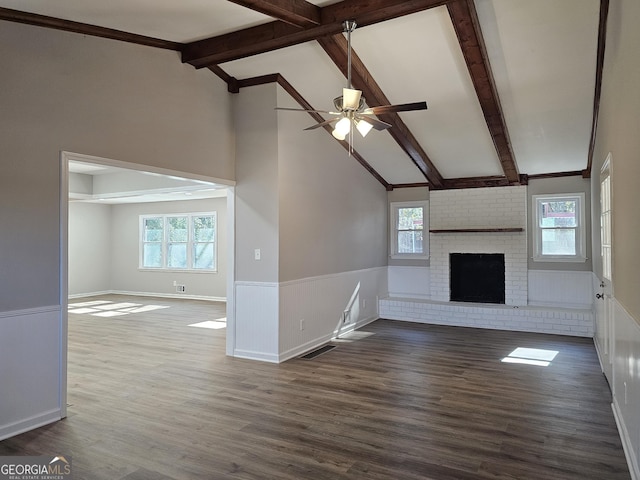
[213,324]
[531,356]
[353,336]
[106,308]
[110,314]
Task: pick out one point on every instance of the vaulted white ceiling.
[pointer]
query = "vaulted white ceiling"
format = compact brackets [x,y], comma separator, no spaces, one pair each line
[542,54]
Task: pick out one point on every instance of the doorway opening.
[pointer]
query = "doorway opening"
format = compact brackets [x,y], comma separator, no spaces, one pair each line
[102,198]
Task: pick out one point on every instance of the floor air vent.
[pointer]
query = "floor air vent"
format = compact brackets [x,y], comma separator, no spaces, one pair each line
[318,351]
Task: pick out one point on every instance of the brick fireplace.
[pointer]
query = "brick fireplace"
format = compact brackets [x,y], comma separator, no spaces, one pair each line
[479,220]
[482,220]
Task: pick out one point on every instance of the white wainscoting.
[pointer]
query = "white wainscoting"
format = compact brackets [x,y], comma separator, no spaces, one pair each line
[328,306]
[256,321]
[626,384]
[411,282]
[30,360]
[559,288]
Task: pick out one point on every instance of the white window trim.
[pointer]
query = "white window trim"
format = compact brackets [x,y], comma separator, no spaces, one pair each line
[581,233]
[165,242]
[393,236]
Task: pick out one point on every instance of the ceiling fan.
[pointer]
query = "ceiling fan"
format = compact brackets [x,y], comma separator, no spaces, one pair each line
[350,106]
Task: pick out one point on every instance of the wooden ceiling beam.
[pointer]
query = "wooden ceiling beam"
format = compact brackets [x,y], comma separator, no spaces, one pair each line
[298,13]
[467,27]
[278,34]
[482,182]
[336,47]
[85,29]
[602,39]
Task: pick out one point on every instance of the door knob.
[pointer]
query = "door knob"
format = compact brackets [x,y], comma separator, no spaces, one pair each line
[599,296]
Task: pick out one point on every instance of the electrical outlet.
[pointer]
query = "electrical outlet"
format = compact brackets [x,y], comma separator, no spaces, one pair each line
[302,324]
[256,254]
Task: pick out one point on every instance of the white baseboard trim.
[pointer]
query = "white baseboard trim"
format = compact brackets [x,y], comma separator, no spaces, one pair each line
[150,294]
[36,421]
[627,444]
[595,344]
[89,294]
[261,356]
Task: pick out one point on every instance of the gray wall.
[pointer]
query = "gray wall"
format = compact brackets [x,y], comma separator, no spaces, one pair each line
[332,211]
[319,219]
[64,91]
[125,275]
[542,186]
[256,206]
[89,248]
[618,133]
[300,199]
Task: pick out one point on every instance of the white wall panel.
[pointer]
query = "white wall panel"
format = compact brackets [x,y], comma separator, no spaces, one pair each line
[413,282]
[256,321]
[626,384]
[30,369]
[323,303]
[561,288]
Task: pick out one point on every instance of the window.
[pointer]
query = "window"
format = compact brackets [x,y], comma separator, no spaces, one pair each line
[178,242]
[408,238]
[559,228]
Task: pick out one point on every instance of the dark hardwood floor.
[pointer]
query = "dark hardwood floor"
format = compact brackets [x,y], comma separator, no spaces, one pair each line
[153,398]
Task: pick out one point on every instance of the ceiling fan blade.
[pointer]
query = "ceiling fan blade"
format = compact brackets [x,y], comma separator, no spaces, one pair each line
[305,110]
[404,107]
[377,124]
[350,98]
[321,124]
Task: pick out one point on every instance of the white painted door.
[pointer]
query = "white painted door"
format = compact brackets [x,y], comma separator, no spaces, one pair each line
[604,304]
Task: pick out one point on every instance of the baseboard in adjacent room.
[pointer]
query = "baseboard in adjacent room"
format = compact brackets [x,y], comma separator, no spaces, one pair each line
[149,294]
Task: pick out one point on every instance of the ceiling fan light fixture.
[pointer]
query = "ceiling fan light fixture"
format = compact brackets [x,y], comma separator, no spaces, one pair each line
[350,112]
[350,99]
[363,127]
[342,127]
[338,135]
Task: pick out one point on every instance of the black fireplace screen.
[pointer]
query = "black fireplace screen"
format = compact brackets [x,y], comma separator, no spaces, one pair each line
[477,277]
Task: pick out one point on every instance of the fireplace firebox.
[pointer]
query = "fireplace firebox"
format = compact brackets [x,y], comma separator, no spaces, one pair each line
[477,277]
